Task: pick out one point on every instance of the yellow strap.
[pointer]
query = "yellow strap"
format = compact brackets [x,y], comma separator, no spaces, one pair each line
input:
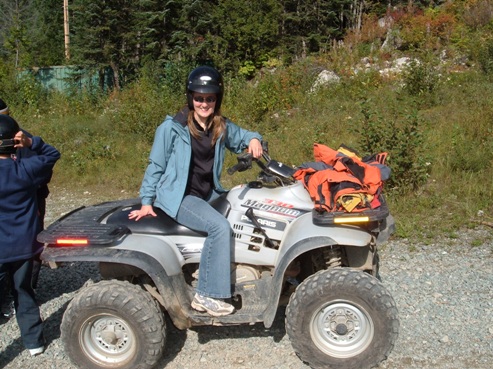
[347,152]
[351,201]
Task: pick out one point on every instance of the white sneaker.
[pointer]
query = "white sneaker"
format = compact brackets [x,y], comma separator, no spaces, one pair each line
[213,306]
[37,351]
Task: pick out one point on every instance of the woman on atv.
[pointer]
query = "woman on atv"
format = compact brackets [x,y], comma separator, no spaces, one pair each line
[183,176]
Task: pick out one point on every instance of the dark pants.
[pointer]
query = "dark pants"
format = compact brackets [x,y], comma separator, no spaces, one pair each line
[26,307]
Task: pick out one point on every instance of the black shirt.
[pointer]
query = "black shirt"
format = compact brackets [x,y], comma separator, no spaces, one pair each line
[200,178]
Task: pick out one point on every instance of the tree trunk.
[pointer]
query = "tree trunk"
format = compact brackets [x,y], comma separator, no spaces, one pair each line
[116,75]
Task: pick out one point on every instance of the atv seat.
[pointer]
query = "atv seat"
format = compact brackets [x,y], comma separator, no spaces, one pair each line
[162,224]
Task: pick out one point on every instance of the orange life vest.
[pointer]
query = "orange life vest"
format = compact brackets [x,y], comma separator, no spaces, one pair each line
[348,183]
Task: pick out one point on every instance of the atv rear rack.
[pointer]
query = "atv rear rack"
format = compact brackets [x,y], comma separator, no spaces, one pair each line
[83,224]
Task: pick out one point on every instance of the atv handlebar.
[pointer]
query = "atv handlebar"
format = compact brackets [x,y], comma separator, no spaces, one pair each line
[271,169]
[244,163]
[245,160]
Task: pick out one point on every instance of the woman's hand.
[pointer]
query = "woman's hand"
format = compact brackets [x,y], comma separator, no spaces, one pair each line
[255,148]
[142,212]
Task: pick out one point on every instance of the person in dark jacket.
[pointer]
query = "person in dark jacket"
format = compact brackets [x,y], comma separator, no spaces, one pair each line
[43,191]
[20,222]
[7,306]
[41,194]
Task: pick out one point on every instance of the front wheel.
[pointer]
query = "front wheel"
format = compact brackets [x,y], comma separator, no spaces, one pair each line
[342,318]
[113,324]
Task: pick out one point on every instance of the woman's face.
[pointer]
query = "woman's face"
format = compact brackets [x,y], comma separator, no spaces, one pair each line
[204,105]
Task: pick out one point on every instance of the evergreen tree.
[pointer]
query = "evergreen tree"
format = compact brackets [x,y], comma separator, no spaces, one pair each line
[15,38]
[47,47]
[243,32]
[126,34]
[153,22]
[175,35]
[308,26]
[188,39]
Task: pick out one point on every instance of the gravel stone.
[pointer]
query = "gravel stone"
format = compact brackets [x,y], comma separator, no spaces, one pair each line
[443,290]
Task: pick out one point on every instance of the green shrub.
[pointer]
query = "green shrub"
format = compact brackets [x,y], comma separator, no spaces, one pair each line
[141,107]
[421,78]
[429,29]
[485,57]
[402,137]
[250,102]
[248,69]
[8,89]
[466,154]
[30,92]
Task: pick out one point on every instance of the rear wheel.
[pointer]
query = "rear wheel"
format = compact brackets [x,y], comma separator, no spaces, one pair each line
[113,324]
[342,318]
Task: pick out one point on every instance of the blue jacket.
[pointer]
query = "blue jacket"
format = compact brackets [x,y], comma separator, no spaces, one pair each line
[166,176]
[19,220]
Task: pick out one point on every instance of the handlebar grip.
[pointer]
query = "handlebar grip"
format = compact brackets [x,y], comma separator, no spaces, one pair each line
[244,163]
[233,169]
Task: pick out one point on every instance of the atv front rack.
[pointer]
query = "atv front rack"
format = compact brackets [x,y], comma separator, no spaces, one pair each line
[325,218]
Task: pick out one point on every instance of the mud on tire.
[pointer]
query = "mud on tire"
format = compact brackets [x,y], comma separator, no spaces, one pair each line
[342,318]
[113,324]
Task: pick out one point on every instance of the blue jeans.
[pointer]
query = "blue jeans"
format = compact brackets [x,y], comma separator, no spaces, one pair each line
[26,307]
[215,260]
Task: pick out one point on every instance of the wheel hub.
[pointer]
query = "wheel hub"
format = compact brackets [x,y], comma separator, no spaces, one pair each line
[341,329]
[342,322]
[107,338]
[110,334]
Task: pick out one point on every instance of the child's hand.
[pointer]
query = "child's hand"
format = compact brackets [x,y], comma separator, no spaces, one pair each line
[21,140]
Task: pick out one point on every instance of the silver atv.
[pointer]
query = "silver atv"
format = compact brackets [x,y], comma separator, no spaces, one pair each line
[324,266]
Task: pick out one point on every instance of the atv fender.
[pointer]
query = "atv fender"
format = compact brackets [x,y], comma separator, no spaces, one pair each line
[303,228]
[158,249]
[157,259]
[302,237]
[388,228]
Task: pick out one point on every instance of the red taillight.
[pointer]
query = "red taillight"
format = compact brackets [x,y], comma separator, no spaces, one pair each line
[71,241]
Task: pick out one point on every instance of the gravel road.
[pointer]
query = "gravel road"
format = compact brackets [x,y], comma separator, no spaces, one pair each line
[443,290]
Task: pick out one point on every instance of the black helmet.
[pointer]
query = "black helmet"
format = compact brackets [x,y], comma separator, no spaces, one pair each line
[205,80]
[8,130]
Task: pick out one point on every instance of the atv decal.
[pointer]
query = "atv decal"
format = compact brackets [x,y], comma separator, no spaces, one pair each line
[272,208]
[268,223]
[278,203]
